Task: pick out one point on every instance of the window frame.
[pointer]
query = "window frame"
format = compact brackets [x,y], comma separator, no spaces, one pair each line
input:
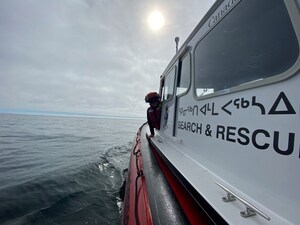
[294,14]
[188,54]
[164,76]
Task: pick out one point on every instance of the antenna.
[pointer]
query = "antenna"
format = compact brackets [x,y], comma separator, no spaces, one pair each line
[176,41]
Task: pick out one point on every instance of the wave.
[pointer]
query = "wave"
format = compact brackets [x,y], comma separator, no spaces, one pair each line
[82,195]
[118,156]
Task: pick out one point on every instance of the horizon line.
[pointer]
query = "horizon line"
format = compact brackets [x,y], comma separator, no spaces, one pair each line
[70,114]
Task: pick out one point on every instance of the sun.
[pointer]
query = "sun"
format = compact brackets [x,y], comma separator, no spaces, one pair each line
[156,20]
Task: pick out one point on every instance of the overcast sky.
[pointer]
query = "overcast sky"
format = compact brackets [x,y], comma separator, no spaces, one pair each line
[88,56]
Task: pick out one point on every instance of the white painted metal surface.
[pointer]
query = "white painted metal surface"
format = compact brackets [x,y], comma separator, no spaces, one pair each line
[246,138]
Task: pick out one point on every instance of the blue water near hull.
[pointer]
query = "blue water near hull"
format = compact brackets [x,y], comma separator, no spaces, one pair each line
[62,170]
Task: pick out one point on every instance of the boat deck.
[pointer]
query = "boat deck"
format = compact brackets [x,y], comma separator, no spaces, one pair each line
[164,206]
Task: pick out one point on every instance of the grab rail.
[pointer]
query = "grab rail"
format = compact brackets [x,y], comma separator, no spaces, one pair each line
[251,210]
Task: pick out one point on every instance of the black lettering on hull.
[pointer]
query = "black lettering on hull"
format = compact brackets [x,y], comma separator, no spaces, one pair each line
[190,127]
[260,139]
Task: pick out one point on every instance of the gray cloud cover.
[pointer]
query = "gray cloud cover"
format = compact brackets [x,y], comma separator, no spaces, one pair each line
[87,56]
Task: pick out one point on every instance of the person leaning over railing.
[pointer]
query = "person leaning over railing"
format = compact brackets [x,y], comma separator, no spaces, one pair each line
[154,111]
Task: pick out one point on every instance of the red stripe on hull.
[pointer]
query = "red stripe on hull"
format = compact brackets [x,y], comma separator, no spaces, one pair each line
[136,209]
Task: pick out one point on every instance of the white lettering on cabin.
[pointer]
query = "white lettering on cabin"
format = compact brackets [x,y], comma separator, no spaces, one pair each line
[220,14]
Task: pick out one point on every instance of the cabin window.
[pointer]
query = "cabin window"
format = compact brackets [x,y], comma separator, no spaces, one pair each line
[183,81]
[255,41]
[168,85]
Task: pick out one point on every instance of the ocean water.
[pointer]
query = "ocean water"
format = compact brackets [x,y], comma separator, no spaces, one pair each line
[62,170]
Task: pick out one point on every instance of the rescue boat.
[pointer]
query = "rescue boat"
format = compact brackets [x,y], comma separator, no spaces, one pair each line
[228,147]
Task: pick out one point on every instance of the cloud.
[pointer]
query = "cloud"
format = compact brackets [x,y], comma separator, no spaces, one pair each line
[87,56]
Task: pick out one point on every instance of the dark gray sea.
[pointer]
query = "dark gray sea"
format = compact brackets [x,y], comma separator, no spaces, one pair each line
[62,170]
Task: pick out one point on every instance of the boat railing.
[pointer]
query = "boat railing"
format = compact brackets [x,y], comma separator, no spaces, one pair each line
[250,210]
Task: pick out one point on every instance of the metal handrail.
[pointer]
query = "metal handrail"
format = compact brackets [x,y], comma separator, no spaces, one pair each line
[251,210]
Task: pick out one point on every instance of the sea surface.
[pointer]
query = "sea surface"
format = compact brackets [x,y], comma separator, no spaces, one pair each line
[63,170]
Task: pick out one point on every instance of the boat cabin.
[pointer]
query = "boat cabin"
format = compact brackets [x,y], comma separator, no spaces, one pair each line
[230,124]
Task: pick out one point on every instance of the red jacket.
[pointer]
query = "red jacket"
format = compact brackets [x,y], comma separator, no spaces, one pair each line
[153,117]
